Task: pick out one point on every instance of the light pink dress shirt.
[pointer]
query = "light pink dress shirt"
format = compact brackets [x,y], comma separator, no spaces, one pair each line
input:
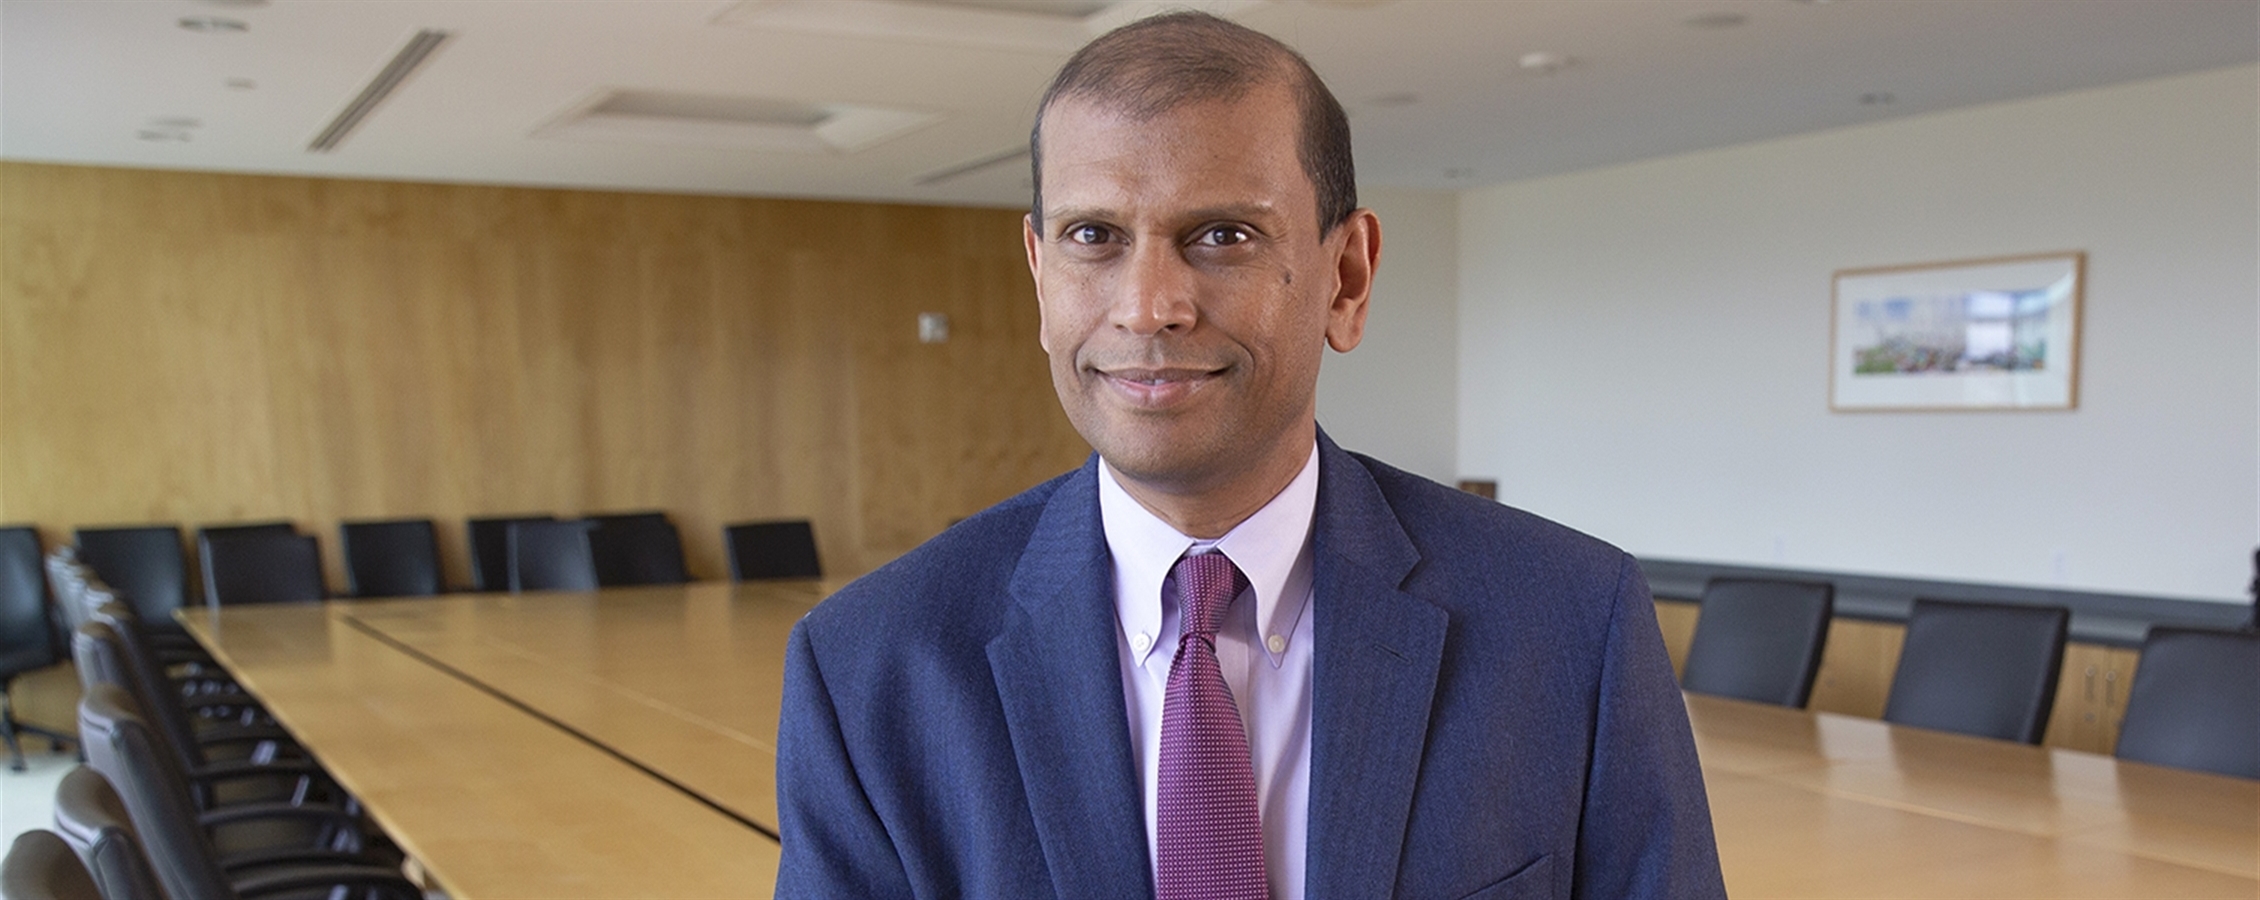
[1264,647]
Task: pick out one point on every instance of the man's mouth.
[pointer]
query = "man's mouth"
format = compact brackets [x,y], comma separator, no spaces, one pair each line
[1156,387]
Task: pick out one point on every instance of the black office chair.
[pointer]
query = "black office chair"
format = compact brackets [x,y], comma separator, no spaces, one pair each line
[260,567]
[222,762]
[552,556]
[231,529]
[490,550]
[41,866]
[395,558]
[765,550]
[93,821]
[67,582]
[1982,669]
[27,634]
[181,840]
[637,548]
[2195,702]
[145,564]
[641,516]
[1759,639]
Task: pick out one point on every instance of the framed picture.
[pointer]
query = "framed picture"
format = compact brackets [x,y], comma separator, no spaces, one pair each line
[1997,333]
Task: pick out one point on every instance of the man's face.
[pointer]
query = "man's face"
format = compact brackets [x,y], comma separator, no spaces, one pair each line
[1186,289]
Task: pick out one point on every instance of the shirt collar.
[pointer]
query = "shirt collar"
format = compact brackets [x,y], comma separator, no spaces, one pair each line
[1272,547]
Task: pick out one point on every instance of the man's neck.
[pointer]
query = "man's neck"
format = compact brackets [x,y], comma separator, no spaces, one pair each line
[1207,512]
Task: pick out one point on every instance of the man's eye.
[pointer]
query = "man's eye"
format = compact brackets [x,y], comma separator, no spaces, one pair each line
[1223,236]
[1086,234]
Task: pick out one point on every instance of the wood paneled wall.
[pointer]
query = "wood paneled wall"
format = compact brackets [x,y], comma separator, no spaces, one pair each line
[199,347]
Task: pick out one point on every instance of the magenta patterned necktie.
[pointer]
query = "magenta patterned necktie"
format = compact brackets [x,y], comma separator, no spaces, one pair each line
[1209,839]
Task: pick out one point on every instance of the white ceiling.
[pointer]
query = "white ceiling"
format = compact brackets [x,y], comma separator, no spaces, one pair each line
[1436,94]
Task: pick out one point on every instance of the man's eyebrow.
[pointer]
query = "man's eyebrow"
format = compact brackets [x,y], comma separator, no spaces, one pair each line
[1070,214]
[1228,212]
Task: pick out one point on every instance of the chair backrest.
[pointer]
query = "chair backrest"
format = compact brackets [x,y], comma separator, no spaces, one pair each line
[2195,702]
[93,820]
[260,567]
[641,516]
[27,632]
[1759,639]
[233,529]
[396,558]
[143,562]
[67,582]
[641,548]
[112,651]
[41,866]
[761,550]
[551,556]
[490,550]
[156,795]
[1984,669]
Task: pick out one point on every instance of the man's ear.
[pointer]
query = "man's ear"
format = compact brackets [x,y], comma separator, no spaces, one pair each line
[1035,244]
[1354,266]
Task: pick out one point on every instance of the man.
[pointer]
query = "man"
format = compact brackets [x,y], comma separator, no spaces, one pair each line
[1226,658]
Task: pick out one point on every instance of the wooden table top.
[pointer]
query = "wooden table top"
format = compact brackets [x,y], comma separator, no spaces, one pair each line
[457,719]
[616,744]
[1815,805]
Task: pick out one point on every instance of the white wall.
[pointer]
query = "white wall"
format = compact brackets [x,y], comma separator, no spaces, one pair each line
[1643,349]
[1394,396]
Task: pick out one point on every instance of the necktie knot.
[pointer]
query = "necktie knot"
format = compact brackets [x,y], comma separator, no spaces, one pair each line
[1206,583]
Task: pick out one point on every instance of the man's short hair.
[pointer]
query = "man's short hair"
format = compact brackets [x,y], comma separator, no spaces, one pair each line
[1155,65]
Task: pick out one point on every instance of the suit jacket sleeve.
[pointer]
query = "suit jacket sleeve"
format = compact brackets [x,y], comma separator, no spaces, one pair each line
[1647,825]
[834,842]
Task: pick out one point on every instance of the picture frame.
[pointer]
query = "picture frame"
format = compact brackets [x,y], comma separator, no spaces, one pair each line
[2000,333]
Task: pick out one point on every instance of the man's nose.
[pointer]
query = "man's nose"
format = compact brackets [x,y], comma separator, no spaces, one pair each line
[1156,292]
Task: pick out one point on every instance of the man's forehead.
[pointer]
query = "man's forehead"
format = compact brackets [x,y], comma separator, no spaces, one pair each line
[1238,154]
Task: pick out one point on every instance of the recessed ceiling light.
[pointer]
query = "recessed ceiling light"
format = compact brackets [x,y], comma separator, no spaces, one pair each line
[1715,20]
[1544,63]
[214,25]
[1877,98]
[1394,98]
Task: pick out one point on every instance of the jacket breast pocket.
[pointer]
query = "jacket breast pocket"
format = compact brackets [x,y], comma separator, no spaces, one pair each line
[1527,883]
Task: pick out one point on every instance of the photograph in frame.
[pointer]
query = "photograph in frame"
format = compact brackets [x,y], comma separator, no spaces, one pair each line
[2000,333]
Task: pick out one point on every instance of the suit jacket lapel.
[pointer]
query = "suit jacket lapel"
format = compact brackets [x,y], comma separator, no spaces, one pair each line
[1060,682]
[1375,670]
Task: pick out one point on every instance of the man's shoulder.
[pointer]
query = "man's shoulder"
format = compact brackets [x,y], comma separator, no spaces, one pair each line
[1455,528]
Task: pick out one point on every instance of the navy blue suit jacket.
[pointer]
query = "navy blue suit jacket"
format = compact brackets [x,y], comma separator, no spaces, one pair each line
[1493,712]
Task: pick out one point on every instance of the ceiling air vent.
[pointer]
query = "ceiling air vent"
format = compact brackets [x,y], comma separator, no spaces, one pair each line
[1017,155]
[758,123]
[1045,26]
[418,49]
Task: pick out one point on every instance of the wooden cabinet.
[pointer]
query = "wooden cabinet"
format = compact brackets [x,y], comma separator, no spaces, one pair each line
[1856,667]
[1677,619]
[2091,697]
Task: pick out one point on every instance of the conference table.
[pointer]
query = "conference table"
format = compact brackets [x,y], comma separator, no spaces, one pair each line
[622,743]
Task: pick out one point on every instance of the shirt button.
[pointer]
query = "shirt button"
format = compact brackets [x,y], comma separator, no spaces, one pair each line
[1140,642]
[1277,644]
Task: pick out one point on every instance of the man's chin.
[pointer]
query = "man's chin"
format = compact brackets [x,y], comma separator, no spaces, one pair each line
[1171,467]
